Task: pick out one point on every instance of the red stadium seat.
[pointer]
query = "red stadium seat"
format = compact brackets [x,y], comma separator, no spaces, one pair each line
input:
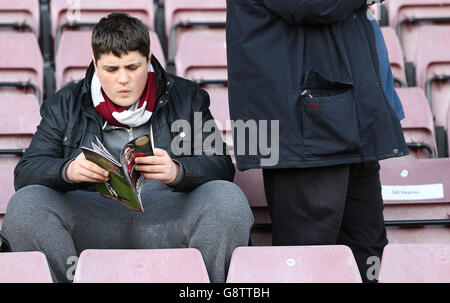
[416,194]
[17,127]
[448,125]
[24,267]
[21,64]
[413,14]
[415,263]
[6,188]
[252,184]
[202,56]
[24,13]
[71,65]
[293,264]
[418,123]
[190,12]
[180,265]
[433,62]
[395,55]
[90,12]
[219,108]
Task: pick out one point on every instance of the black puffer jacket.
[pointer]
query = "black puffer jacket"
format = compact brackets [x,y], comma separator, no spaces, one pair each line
[69,121]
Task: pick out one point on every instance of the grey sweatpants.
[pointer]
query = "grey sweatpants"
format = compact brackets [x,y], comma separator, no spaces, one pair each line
[214,218]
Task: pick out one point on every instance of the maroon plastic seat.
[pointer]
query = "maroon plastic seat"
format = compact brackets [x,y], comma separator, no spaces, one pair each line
[65,12]
[395,53]
[71,65]
[190,11]
[293,264]
[21,12]
[180,265]
[21,62]
[415,263]
[24,267]
[17,127]
[448,125]
[400,10]
[252,184]
[418,122]
[202,55]
[433,60]
[202,58]
[416,193]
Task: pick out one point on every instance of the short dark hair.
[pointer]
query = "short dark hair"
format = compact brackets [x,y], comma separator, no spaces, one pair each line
[119,33]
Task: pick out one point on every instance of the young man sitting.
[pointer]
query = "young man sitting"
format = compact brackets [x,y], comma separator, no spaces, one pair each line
[190,200]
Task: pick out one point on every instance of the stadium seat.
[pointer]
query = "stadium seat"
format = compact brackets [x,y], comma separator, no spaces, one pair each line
[180,265]
[416,194]
[202,56]
[433,66]
[17,127]
[252,184]
[293,264]
[407,16]
[183,14]
[448,126]
[21,64]
[395,55]
[418,122]
[20,14]
[71,66]
[218,94]
[24,267]
[88,12]
[415,263]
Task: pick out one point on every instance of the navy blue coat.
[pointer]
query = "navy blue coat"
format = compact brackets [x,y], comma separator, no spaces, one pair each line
[277,49]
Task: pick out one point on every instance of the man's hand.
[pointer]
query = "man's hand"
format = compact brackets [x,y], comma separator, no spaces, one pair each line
[158,167]
[83,170]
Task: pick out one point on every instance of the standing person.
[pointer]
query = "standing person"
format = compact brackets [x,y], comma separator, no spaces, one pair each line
[189,201]
[320,68]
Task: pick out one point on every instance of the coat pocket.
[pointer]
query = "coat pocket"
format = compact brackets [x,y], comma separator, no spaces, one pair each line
[330,122]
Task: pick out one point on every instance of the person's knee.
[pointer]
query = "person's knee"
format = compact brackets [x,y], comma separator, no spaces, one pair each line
[229,204]
[23,211]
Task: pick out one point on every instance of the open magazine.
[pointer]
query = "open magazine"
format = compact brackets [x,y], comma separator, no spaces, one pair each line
[125,183]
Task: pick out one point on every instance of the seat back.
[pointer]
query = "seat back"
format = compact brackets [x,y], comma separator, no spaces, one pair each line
[416,193]
[252,184]
[87,11]
[293,264]
[190,11]
[418,122]
[21,62]
[24,267]
[17,127]
[415,263]
[401,10]
[395,53]
[21,12]
[432,60]
[181,265]
[202,55]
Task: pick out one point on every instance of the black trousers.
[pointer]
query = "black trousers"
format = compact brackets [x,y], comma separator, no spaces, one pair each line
[329,205]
